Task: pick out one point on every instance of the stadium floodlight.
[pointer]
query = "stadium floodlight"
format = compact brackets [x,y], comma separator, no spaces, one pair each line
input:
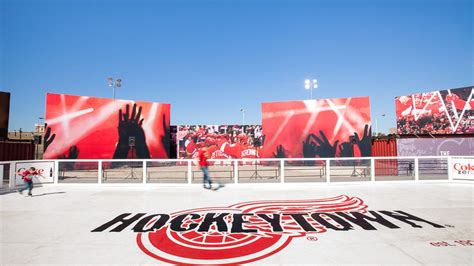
[114,84]
[377,125]
[242,110]
[310,85]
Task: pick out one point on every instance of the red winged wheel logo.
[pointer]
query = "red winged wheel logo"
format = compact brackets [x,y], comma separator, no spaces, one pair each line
[216,247]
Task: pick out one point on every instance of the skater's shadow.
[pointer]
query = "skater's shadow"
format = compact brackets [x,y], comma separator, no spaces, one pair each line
[49,193]
[9,191]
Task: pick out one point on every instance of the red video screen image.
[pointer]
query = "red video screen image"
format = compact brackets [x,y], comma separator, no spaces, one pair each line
[439,112]
[80,127]
[223,141]
[324,128]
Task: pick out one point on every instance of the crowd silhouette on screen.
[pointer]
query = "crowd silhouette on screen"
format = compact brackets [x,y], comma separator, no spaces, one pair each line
[321,147]
[130,126]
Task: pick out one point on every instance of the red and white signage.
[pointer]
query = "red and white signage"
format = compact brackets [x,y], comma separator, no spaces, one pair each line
[250,231]
[45,172]
[462,168]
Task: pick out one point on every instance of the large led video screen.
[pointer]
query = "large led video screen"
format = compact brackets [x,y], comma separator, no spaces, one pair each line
[439,112]
[4,113]
[323,128]
[80,127]
[223,141]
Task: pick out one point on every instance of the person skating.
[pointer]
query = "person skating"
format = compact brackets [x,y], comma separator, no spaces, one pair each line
[28,180]
[203,163]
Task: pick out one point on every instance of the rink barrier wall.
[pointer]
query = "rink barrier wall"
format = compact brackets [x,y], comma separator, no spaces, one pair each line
[243,171]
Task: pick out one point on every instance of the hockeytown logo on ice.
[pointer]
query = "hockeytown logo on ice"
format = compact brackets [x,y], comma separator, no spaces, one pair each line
[249,231]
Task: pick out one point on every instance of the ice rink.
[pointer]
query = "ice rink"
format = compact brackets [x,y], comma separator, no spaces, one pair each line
[55,225]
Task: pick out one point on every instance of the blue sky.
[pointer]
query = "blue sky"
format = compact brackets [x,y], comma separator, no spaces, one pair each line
[209,59]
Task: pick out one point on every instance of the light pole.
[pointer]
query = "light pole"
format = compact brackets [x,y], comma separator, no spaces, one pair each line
[377,124]
[310,85]
[114,84]
[242,110]
[38,136]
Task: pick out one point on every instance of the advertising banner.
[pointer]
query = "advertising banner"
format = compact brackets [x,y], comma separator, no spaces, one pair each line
[462,168]
[45,172]
[224,141]
[322,128]
[80,127]
[435,147]
[4,113]
[439,112]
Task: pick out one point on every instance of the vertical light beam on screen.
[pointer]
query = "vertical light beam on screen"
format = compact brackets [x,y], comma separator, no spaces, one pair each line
[314,110]
[65,122]
[446,111]
[149,122]
[340,117]
[467,104]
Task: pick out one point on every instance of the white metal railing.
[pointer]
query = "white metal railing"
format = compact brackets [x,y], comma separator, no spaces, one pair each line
[235,171]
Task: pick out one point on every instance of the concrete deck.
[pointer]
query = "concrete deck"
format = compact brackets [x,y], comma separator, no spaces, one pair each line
[54,226]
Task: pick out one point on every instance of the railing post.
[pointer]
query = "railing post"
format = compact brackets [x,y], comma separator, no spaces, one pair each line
[56,172]
[144,172]
[236,172]
[282,171]
[99,173]
[12,176]
[328,167]
[417,177]
[450,168]
[372,169]
[190,172]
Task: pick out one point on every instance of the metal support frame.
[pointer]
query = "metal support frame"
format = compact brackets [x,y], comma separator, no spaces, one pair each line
[12,178]
[99,172]
[328,170]
[236,172]
[417,176]
[236,165]
[144,172]
[450,168]
[190,172]
[282,171]
[372,169]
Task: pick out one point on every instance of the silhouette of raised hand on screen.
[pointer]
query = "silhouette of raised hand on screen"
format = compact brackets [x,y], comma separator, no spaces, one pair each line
[73,153]
[130,125]
[280,152]
[346,150]
[325,149]
[165,139]
[309,147]
[48,138]
[365,144]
